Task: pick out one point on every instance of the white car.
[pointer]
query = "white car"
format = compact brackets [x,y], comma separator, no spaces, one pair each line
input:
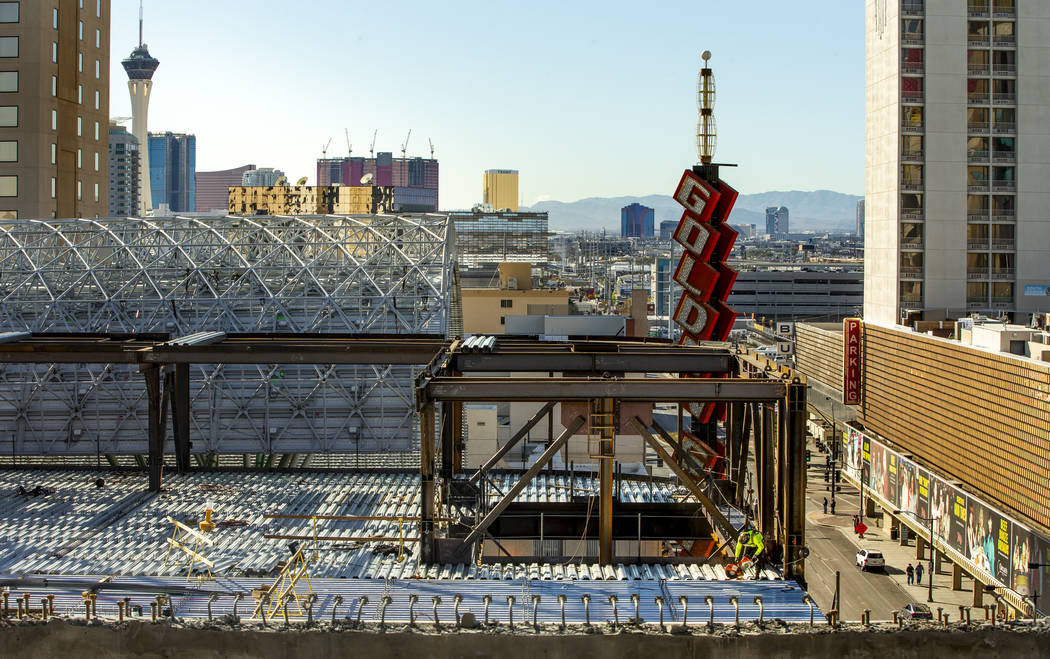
[867,558]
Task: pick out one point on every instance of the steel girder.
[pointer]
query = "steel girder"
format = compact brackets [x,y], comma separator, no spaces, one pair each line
[179,275]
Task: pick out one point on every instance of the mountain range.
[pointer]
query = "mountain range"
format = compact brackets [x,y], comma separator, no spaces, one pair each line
[817,211]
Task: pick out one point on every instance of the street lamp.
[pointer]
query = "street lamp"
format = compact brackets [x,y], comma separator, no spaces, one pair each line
[834,450]
[931,521]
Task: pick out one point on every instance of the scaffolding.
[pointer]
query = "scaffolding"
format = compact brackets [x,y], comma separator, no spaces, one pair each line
[372,274]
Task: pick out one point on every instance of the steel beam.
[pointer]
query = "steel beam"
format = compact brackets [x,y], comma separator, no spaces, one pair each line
[721,524]
[514,491]
[672,360]
[607,451]
[180,417]
[426,467]
[641,390]
[506,448]
[796,495]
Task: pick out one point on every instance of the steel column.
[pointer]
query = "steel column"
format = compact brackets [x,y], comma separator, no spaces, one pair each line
[156,428]
[796,494]
[426,468]
[180,417]
[765,466]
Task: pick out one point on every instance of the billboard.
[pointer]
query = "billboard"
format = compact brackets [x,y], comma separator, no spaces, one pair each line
[994,545]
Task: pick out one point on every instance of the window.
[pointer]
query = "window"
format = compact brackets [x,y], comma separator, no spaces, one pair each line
[54,154]
[976,291]
[96,131]
[80,94]
[977,147]
[54,18]
[977,30]
[911,29]
[98,100]
[80,126]
[502,320]
[96,161]
[977,118]
[977,175]
[98,38]
[80,196]
[54,51]
[506,304]
[8,46]
[54,188]
[98,70]
[8,215]
[8,12]
[80,158]
[8,115]
[911,174]
[912,116]
[8,81]
[54,85]
[977,204]
[80,30]
[8,186]
[80,62]
[9,151]
[96,193]
[54,120]
[98,8]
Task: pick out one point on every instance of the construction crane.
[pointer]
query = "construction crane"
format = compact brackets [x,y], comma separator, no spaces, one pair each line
[404,145]
[324,149]
[431,143]
[349,147]
[372,149]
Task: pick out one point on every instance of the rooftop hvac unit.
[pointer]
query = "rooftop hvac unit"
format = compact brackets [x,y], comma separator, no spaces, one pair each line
[512,283]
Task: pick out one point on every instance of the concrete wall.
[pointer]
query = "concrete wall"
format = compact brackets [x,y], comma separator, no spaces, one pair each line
[59,639]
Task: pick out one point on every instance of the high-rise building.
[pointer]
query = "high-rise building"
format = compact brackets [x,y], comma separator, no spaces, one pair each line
[414,180]
[124,167]
[262,176]
[636,221]
[860,219]
[777,220]
[213,188]
[957,177]
[501,189]
[54,109]
[141,66]
[172,171]
[667,228]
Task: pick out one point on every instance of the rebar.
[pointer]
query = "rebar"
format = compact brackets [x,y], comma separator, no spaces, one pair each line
[236,598]
[761,609]
[809,600]
[510,610]
[284,607]
[487,599]
[535,611]
[586,610]
[336,601]
[382,610]
[436,600]
[361,602]
[616,614]
[456,599]
[637,617]
[561,602]
[412,599]
[211,599]
[684,601]
[736,607]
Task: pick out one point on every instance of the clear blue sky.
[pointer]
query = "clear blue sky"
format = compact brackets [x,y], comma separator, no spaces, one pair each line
[585,99]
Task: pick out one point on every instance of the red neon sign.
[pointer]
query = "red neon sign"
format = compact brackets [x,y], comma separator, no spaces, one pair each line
[851,365]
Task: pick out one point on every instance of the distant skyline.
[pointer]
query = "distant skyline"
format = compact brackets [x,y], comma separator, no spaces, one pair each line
[584,99]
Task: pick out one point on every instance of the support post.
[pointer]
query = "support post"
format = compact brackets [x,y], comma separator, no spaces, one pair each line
[795,492]
[426,468]
[978,593]
[767,474]
[920,547]
[151,373]
[180,417]
[605,483]
[957,575]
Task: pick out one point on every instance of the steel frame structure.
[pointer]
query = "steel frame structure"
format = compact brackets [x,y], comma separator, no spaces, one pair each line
[177,276]
[764,407]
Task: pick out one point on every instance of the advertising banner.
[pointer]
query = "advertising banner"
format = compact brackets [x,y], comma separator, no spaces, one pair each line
[993,543]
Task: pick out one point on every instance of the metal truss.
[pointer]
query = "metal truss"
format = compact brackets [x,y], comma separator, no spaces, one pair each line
[377,274]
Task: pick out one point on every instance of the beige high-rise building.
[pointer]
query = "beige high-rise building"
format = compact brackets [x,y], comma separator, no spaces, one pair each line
[501,189]
[54,108]
[957,215]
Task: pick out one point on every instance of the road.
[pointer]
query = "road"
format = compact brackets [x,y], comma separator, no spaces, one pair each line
[831,550]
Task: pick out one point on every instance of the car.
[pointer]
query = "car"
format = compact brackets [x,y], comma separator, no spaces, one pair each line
[914,611]
[868,559]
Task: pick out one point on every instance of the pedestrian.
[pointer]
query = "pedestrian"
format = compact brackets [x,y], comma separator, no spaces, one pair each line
[918,574]
[911,574]
[825,505]
[832,506]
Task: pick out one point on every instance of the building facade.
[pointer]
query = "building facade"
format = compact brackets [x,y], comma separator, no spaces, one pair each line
[777,220]
[958,150]
[414,180]
[54,109]
[262,176]
[125,165]
[172,171]
[667,229]
[484,240]
[636,221]
[860,219]
[213,188]
[810,293]
[310,200]
[501,189]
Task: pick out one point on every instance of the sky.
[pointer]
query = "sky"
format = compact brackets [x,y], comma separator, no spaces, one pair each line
[584,99]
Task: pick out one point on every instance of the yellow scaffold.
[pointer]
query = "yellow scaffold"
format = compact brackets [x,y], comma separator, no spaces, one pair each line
[180,537]
[285,585]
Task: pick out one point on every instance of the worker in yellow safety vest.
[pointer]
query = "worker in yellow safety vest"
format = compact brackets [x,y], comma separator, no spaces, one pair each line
[749,544]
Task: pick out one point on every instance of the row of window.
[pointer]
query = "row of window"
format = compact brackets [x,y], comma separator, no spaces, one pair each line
[976,291]
[977,205]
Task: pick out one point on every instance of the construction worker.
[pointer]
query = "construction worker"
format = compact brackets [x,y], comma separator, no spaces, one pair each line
[750,545]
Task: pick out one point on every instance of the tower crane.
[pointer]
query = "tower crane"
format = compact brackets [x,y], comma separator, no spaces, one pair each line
[404,145]
[324,149]
[372,149]
[349,147]
[431,143]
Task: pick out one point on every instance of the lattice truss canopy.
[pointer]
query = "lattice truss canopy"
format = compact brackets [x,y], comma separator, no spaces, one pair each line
[340,274]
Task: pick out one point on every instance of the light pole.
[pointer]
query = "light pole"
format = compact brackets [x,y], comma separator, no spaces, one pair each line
[1032,565]
[931,521]
[835,451]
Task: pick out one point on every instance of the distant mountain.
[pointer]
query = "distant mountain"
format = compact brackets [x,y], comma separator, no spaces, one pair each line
[820,210]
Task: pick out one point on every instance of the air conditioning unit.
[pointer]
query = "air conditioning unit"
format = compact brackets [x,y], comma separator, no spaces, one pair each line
[512,283]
